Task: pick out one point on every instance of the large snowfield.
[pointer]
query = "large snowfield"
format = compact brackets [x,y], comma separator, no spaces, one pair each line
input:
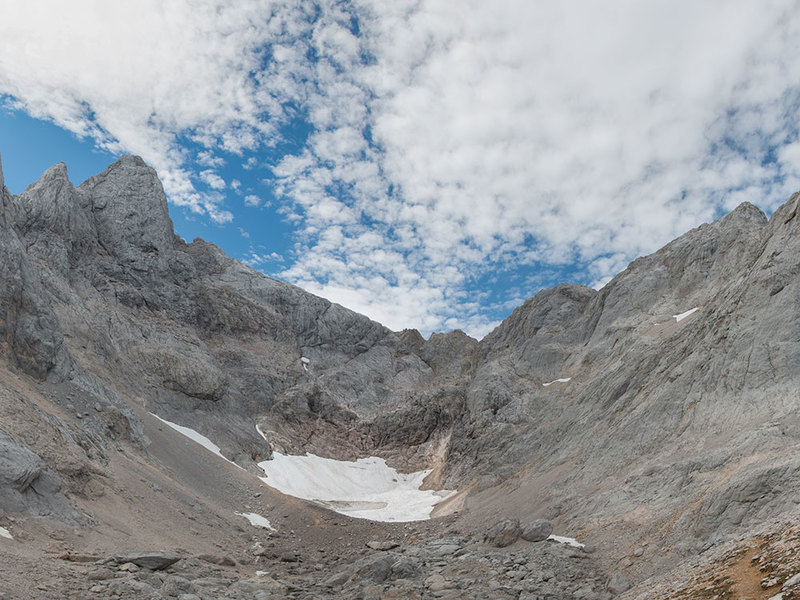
[366,488]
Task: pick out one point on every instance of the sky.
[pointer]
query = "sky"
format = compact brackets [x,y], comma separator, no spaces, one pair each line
[428,163]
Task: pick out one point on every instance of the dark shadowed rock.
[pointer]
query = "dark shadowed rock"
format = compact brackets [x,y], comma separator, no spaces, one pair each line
[155,561]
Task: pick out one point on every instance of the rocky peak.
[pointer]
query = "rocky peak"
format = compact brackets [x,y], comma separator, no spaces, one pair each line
[56,173]
[130,209]
[51,206]
[745,212]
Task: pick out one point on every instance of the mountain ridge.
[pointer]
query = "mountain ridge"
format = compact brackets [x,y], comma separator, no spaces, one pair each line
[599,410]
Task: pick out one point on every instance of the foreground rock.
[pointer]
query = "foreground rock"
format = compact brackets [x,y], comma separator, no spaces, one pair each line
[504,533]
[537,531]
[155,561]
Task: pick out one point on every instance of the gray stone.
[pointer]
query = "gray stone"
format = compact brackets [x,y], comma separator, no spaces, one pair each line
[214,559]
[376,569]
[405,568]
[153,560]
[503,533]
[382,545]
[337,580]
[791,583]
[618,584]
[537,531]
[27,485]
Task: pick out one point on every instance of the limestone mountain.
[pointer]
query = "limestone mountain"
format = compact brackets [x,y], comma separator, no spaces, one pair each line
[656,418]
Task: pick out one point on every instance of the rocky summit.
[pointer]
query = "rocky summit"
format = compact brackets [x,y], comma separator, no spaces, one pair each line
[640,441]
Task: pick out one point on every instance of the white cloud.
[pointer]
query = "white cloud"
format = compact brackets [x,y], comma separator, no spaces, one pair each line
[256,259]
[252,200]
[212,180]
[207,159]
[447,141]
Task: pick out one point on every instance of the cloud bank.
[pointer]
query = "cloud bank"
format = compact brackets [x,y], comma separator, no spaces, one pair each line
[453,157]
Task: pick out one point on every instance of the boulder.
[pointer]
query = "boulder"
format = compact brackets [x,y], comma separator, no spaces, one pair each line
[225,561]
[618,584]
[503,533]
[382,545]
[537,531]
[155,561]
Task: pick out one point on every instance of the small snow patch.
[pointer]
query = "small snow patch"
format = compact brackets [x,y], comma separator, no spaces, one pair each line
[257,520]
[261,573]
[563,380]
[682,316]
[196,437]
[566,540]
[6,533]
[305,362]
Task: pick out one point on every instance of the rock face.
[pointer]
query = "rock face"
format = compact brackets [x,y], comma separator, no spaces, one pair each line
[597,410]
[27,485]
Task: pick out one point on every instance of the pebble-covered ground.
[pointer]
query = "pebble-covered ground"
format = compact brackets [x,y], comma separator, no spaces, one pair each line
[454,566]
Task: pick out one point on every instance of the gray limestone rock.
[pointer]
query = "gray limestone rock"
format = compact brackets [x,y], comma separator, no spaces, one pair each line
[28,325]
[375,568]
[503,533]
[618,584]
[537,531]
[27,485]
[152,560]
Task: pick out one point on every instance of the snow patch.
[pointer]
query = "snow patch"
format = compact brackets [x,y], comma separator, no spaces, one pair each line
[563,380]
[6,533]
[261,573]
[366,488]
[196,437]
[566,540]
[305,362]
[257,520]
[682,316]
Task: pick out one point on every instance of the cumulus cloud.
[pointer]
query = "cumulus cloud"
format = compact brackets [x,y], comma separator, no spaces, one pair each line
[444,143]
[207,159]
[257,258]
[212,180]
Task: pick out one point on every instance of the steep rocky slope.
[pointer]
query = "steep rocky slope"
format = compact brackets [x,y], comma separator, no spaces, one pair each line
[652,434]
